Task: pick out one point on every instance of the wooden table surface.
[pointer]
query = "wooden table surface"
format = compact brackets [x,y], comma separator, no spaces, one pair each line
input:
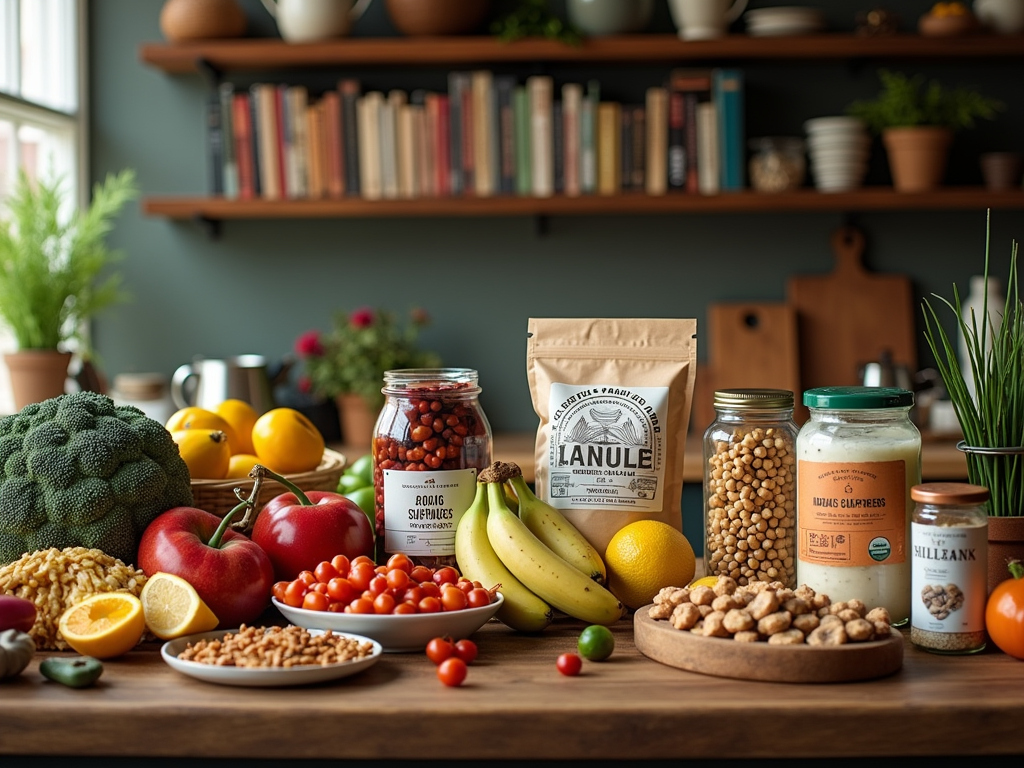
[515,704]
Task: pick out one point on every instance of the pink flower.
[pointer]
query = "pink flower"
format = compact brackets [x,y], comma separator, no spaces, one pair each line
[362,318]
[304,385]
[309,344]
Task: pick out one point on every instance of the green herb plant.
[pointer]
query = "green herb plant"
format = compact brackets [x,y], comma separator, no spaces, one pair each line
[531,18]
[912,101]
[52,260]
[994,416]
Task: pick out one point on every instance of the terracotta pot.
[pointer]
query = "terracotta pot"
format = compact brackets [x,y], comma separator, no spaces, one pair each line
[1002,170]
[357,421]
[917,156]
[1005,542]
[437,17]
[37,375]
[182,20]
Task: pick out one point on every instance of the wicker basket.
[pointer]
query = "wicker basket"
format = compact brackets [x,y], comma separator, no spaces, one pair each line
[218,496]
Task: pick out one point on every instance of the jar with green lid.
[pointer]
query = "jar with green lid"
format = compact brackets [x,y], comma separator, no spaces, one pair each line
[749,487]
[858,457]
[949,536]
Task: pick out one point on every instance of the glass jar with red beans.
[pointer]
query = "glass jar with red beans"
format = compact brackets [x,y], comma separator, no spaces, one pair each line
[430,440]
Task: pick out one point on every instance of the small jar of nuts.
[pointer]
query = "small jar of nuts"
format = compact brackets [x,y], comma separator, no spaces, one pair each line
[430,440]
[750,487]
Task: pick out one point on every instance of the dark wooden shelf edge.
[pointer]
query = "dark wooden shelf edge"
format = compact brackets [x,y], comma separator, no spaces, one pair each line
[272,53]
[868,199]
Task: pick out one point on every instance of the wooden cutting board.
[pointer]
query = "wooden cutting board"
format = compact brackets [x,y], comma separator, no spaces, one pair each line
[750,345]
[850,316]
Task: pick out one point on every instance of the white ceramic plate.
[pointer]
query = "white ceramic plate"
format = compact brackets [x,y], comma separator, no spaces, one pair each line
[262,677]
[396,633]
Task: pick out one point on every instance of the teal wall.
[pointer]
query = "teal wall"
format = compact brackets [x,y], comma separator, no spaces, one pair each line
[264,282]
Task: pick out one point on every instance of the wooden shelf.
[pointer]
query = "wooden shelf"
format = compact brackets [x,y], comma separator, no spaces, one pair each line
[254,54]
[865,199]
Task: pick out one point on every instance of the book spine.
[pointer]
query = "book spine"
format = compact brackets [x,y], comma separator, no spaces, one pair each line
[315,150]
[298,103]
[609,143]
[707,148]
[540,88]
[482,84]
[389,143]
[350,89]
[241,125]
[425,131]
[456,84]
[505,87]
[572,95]
[215,144]
[369,114]
[558,146]
[657,140]
[588,138]
[405,151]
[626,147]
[690,102]
[521,105]
[334,143]
[226,91]
[728,97]
[676,140]
[281,153]
[257,140]
[270,169]
[443,152]
[695,87]
[639,148]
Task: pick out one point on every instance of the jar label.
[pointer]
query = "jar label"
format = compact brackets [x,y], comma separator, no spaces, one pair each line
[949,577]
[606,447]
[852,514]
[422,509]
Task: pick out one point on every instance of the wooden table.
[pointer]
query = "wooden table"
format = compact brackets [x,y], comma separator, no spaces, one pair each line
[515,704]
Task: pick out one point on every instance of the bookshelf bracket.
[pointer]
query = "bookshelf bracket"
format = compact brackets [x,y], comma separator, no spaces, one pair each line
[541,224]
[211,225]
[213,74]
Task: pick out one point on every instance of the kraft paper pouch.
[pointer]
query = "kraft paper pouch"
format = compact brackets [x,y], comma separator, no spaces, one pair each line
[613,397]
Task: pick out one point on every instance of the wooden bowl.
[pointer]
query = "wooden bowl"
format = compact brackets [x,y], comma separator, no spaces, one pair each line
[437,17]
[930,25]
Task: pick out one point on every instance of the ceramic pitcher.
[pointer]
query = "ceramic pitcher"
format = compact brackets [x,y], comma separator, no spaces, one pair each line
[207,382]
[303,21]
[705,19]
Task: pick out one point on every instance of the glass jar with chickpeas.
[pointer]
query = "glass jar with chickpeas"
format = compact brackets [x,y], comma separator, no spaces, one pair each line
[750,487]
[430,439]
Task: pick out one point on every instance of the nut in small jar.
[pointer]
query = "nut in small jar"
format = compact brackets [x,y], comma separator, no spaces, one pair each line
[778,163]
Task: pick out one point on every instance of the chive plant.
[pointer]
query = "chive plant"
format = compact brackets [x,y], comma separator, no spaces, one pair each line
[994,417]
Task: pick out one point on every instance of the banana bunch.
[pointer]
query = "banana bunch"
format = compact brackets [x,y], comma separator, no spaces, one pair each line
[540,560]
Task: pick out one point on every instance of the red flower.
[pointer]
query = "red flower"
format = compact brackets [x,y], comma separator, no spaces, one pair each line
[309,344]
[304,385]
[362,318]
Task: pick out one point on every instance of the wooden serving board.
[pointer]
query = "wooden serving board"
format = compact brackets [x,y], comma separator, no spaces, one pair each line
[721,657]
[851,316]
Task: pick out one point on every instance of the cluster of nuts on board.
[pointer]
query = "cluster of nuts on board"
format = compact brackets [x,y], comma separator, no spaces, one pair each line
[769,612]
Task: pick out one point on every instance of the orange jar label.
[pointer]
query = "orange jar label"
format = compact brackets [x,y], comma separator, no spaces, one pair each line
[852,514]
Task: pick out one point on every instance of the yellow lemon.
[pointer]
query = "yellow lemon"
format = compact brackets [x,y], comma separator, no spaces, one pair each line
[287,441]
[241,464]
[703,581]
[242,417]
[645,556]
[206,452]
[194,417]
[172,607]
[104,625]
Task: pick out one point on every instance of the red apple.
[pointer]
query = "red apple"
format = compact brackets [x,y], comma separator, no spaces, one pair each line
[231,573]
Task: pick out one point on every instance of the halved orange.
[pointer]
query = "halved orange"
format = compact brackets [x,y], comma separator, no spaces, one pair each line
[173,608]
[104,625]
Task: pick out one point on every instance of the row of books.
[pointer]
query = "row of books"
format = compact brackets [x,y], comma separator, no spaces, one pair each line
[486,135]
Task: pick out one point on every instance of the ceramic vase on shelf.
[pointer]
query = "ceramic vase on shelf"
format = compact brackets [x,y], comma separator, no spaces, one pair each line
[417,18]
[357,421]
[184,20]
[37,375]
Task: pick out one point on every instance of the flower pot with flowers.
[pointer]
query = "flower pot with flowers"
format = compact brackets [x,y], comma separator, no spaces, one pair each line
[347,363]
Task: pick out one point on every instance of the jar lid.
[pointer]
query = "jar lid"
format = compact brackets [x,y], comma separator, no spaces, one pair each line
[751,399]
[950,493]
[858,398]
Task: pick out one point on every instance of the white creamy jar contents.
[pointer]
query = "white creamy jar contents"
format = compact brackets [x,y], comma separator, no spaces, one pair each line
[858,457]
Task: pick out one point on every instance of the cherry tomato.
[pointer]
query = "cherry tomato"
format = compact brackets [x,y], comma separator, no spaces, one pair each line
[362,559]
[318,587]
[478,597]
[465,585]
[466,650]
[413,595]
[360,575]
[439,649]
[341,590]
[325,571]
[361,605]
[430,589]
[315,601]
[384,603]
[421,573]
[452,671]
[294,592]
[341,563]
[406,608]
[397,579]
[278,590]
[445,575]
[569,664]
[430,604]
[307,577]
[400,562]
[453,599]
[1004,614]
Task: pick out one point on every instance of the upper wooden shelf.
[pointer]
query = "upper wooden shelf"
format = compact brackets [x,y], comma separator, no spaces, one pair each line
[253,54]
[804,200]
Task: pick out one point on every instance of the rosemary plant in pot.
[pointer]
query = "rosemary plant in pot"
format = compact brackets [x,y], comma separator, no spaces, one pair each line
[52,263]
[992,419]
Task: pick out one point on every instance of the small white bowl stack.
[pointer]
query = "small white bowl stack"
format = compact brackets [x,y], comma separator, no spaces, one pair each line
[784,20]
[839,148]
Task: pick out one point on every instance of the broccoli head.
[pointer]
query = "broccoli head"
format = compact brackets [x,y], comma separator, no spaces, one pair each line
[79,471]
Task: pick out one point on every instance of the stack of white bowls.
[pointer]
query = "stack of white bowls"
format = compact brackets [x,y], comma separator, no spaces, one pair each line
[839,148]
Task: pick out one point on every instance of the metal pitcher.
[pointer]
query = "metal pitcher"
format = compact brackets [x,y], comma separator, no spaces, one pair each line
[207,382]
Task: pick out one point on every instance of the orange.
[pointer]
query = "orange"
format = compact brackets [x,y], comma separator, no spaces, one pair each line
[194,417]
[172,607]
[206,452]
[241,416]
[241,464]
[104,625]
[287,441]
[645,556]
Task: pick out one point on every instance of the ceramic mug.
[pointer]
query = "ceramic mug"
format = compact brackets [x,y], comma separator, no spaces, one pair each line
[1005,17]
[304,21]
[207,382]
[705,19]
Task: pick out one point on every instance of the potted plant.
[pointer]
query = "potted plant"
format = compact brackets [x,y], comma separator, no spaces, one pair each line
[916,120]
[992,419]
[348,362]
[52,263]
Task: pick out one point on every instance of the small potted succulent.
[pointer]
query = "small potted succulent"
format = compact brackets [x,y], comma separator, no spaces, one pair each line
[917,120]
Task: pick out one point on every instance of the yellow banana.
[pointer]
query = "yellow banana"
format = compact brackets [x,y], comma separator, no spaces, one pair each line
[522,610]
[551,527]
[544,573]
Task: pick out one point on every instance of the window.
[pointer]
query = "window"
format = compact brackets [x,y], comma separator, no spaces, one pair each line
[42,116]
